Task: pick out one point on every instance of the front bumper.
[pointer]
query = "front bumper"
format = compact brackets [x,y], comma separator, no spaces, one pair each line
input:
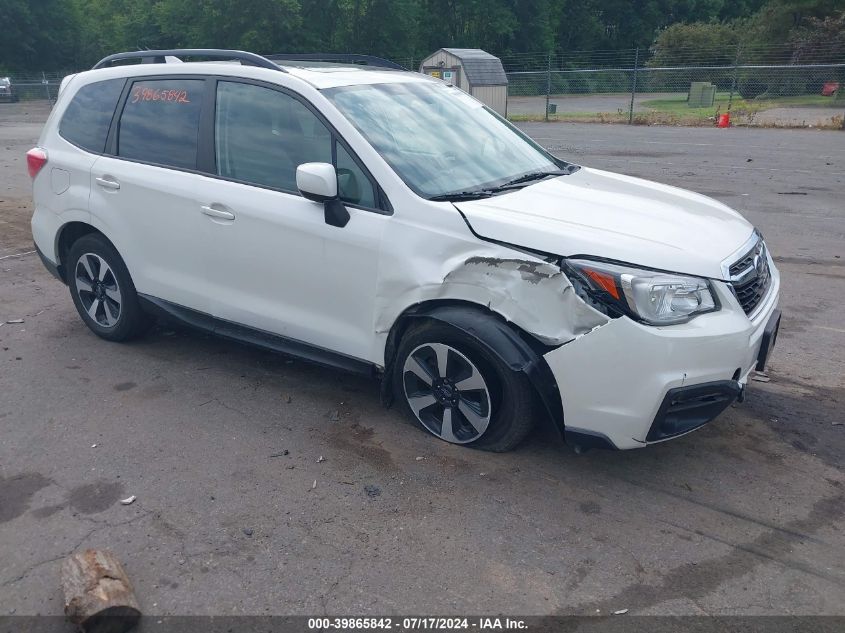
[684,409]
[625,384]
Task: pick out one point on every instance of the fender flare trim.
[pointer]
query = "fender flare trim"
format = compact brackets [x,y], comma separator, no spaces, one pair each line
[504,342]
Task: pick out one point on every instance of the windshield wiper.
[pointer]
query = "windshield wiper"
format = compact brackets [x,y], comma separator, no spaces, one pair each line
[462,195]
[475,194]
[526,178]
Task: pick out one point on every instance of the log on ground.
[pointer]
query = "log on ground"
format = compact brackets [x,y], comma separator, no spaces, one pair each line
[98,595]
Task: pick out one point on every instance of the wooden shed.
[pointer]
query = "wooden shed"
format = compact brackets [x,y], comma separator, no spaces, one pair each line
[473,70]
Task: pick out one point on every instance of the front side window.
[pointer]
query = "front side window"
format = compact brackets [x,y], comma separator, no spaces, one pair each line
[353,185]
[86,120]
[262,135]
[438,139]
[160,122]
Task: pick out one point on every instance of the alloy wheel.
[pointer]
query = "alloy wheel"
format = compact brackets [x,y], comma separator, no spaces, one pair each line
[98,289]
[447,393]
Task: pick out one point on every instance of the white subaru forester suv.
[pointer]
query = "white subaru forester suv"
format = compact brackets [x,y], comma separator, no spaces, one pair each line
[386,222]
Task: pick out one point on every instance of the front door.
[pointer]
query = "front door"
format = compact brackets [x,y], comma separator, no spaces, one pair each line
[276,265]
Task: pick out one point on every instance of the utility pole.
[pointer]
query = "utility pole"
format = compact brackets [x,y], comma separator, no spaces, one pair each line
[734,80]
[548,83]
[634,85]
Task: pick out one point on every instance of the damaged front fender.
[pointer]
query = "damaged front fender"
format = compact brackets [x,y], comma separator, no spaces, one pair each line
[533,294]
[526,291]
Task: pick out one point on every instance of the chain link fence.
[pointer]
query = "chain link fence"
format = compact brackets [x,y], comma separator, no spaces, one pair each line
[774,86]
[40,86]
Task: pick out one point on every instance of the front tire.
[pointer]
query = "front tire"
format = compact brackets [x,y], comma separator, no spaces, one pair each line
[458,390]
[102,290]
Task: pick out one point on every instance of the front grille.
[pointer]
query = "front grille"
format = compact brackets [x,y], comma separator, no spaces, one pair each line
[751,277]
[744,263]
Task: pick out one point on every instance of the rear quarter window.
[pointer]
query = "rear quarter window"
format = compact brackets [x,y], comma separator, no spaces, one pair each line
[160,122]
[85,122]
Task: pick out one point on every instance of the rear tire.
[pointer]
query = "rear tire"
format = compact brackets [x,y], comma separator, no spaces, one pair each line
[457,390]
[102,290]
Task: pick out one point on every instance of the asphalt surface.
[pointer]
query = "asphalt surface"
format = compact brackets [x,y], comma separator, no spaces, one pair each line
[268,486]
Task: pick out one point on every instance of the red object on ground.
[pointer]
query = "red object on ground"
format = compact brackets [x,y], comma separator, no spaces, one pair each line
[829,89]
[724,120]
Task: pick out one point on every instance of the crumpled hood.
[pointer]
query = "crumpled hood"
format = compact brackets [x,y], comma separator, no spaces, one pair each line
[602,214]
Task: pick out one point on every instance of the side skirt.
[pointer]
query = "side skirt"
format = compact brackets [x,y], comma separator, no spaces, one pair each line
[255,337]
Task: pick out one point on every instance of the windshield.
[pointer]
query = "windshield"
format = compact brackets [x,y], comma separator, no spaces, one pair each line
[438,139]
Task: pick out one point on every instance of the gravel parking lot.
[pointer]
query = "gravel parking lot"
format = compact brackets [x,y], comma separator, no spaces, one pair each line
[268,486]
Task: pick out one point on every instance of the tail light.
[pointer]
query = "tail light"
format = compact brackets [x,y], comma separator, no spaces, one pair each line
[36,158]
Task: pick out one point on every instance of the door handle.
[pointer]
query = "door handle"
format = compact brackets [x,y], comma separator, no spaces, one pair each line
[108,183]
[217,214]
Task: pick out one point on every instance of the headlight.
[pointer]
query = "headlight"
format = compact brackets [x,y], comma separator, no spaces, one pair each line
[653,297]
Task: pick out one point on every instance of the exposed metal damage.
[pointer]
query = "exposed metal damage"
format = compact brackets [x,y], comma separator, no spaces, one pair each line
[531,293]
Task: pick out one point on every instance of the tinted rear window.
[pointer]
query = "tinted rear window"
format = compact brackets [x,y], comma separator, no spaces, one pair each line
[86,121]
[160,122]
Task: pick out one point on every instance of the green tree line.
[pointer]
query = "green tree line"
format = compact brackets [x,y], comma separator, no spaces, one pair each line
[71,34]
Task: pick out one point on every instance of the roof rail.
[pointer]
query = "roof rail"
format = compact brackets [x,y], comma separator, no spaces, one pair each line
[343,58]
[158,57]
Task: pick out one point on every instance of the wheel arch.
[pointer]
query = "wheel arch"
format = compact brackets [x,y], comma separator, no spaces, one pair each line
[66,236]
[517,349]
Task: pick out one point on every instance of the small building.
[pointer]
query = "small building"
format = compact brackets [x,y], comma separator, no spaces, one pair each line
[472,70]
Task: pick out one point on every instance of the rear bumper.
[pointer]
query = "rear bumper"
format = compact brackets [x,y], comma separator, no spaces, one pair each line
[50,266]
[625,384]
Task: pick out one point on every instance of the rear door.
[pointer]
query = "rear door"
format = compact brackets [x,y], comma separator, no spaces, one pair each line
[144,189]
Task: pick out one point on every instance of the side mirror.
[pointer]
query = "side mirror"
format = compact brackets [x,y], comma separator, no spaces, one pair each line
[318,182]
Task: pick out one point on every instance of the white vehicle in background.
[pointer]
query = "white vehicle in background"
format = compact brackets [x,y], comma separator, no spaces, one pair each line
[384,222]
[7,91]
